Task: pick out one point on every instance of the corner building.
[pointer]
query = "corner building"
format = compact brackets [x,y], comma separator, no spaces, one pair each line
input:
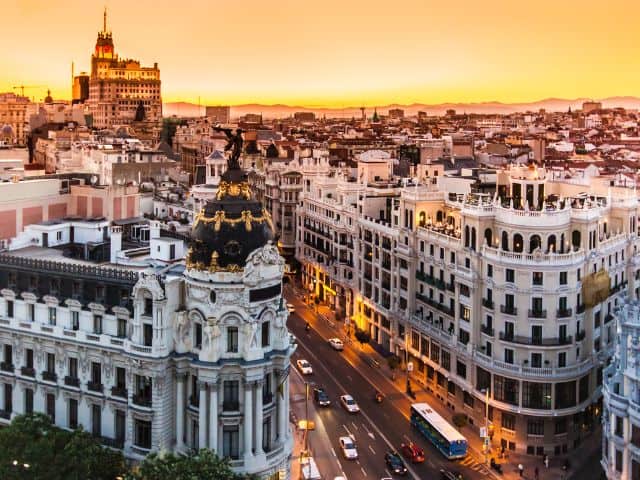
[174,356]
[510,293]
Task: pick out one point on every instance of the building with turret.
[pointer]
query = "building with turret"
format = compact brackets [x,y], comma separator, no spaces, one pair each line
[119,88]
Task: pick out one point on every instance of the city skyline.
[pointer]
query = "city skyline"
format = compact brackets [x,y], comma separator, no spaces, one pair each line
[361,56]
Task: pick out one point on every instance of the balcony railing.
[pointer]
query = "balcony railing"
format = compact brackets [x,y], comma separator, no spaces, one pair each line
[564,312]
[537,313]
[487,330]
[112,442]
[508,309]
[547,342]
[119,391]
[7,367]
[28,371]
[94,386]
[487,303]
[72,381]
[49,376]
[142,400]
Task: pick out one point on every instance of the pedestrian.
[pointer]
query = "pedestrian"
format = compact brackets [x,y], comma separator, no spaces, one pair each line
[546,461]
[536,474]
[521,469]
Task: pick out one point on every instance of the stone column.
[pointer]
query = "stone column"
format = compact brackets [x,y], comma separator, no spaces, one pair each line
[248,419]
[282,416]
[180,412]
[202,419]
[286,407]
[213,422]
[259,418]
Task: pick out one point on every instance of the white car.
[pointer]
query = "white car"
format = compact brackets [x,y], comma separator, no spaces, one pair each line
[349,404]
[348,447]
[336,343]
[305,367]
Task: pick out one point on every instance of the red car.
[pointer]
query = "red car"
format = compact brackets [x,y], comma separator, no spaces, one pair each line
[412,452]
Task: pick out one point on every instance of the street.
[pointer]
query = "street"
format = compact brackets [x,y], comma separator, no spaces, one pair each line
[378,427]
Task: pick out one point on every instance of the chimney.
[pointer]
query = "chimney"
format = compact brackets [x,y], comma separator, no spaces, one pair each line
[116,243]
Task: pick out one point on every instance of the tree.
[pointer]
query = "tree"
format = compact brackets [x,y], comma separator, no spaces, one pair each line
[202,465]
[362,336]
[42,450]
[393,361]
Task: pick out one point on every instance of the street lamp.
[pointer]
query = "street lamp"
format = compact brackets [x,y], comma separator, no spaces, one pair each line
[485,445]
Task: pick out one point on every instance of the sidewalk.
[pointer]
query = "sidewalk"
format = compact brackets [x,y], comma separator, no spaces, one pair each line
[591,444]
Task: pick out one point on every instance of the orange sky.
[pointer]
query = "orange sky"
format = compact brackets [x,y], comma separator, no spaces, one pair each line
[336,53]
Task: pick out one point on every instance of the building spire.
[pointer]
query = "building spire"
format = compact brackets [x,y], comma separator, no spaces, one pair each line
[104,21]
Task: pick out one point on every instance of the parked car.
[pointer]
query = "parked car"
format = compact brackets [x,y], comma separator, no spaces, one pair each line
[349,404]
[395,463]
[321,397]
[412,452]
[304,367]
[348,447]
[336,343]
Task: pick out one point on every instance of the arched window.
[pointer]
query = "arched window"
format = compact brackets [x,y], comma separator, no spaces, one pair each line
[466,235]
[473,238]
[439,216]
[551,244]
[535,242]
[505,241]
[518,243]
[576,239]
[562,243]
[422,218]
[488,237]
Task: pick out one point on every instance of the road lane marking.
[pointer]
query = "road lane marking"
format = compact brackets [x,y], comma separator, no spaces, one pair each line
[363,472]
[372,450]
[371,435]
[348,432]
[387,472]
[404,435]
[431,464]
[334,452]
[354,425]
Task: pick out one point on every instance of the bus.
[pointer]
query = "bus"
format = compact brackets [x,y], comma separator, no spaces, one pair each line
[451,443]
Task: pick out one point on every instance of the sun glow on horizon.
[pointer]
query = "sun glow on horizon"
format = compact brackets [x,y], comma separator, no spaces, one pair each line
[337,54]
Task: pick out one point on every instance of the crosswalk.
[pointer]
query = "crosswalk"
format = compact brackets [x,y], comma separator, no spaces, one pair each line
[470,462]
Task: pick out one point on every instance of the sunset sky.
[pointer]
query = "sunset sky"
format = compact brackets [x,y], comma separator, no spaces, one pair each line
[336,53]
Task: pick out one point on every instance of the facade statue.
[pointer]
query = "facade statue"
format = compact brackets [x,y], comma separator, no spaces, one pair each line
[210,340]
[234,144]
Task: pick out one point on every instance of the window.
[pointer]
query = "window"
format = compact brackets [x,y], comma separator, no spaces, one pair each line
[120,426]
[445,360]
[28,401]
[562,359]
[73,413]
[265,334]
[618,426]
[7,354]
[535,427]
[52,316]
[508,355]
[73,367]
[463,336]
[29,358]
[635,435]
[51,363]
[121,381]
[8,398]
[468,399]
[232,339]
[75,320]
[508,421]
[505,389]
[461,369]
[97,324]
[536,360]
[563,278]
[509,275]
[51,407]
[10,308]
[537,278]
[618,460]
[198,335]
[142,436]
[490,271]
[96,373]
[96,420]
[536,395]
[32,312]
[231,395]
[560,426]
[122,327]
[231,442]
[148,307]
[147,334]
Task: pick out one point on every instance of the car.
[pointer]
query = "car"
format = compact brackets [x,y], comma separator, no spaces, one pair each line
[395,463]
[349,404]
[336,343]
[304,367]
[449,475]
[348,447]
[412,452]
[321,397]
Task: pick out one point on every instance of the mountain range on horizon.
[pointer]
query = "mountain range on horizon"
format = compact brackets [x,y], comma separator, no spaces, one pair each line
[186,109]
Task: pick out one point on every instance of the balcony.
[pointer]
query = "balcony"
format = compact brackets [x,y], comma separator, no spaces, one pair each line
[72,381]
[487,303]
[119,391]
[545,342]
[7,367]
[94,386]
[508,310]
[49,376]
[537,313]
[112,442]
[230,406]
[142,400]
[28,371]
[564,312]
[487,330]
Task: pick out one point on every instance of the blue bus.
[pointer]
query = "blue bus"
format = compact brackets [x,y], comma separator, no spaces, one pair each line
[451,443]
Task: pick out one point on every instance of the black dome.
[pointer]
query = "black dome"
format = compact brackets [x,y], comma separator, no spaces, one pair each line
[229,228]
